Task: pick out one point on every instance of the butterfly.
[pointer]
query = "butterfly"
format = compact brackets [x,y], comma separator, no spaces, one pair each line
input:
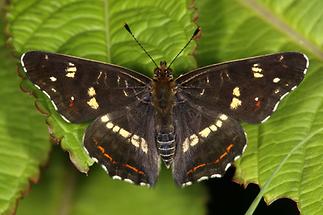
[191,123]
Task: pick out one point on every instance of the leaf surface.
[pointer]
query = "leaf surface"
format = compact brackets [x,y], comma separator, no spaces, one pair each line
[24,139]
[285,154]
[68,192]
[94,30]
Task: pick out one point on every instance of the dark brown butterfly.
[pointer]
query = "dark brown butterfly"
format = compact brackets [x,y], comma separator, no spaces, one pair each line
[191,122]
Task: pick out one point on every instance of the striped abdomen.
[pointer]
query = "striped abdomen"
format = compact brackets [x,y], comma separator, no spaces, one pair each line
[166,147]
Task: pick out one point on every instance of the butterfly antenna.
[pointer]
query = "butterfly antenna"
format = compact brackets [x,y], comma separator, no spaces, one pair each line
[126,26]
[194,35]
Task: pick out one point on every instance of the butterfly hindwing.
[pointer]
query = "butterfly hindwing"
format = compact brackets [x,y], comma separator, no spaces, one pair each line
[207,143]
[123,143]
[248,89]
[80,89]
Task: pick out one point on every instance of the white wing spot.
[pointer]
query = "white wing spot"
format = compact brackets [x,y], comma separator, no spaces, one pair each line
[194,140]
[70,74]
[236,91]
[283,96]
[124,133]
[277,91]
[256,68]
[227,166]
[116,177]
[205,132]
[257,71]
[65,118]
[126,83]
[186,145]
[46,57]
[70,70]
[46,93]
[202,178]
[93,103]
[235,103]
[91,91]
[135,140]
[275,108]
[258,75]
[218,123]
[54,90]
[223,117]
[52,78]
[264,120]
[55,107]
[105,168]
[109,125]
[187,184]
[144,184]
[237,158]
[307,63]
[105,119]
[129,181]
[116,129]
[118,80]
[216,176]
[95,160]
[244,148]
[144,146]
[213,128]
[276,80]
[125,93]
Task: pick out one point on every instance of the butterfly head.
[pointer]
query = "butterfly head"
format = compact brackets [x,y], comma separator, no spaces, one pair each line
[163,72]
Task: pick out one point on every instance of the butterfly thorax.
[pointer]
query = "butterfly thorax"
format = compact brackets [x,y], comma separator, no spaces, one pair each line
[163,100]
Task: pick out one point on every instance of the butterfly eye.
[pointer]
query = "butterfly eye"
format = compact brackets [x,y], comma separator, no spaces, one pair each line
[168,73]
[157,72]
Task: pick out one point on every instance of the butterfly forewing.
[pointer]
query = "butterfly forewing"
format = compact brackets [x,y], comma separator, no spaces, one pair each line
[80,89]
[248,89]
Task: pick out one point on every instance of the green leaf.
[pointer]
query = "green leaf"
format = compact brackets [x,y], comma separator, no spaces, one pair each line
[285,154]
[73,193]
[94,29]
[23,135]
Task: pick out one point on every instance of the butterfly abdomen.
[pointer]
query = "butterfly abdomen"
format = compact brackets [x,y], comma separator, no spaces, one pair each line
[166,147]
